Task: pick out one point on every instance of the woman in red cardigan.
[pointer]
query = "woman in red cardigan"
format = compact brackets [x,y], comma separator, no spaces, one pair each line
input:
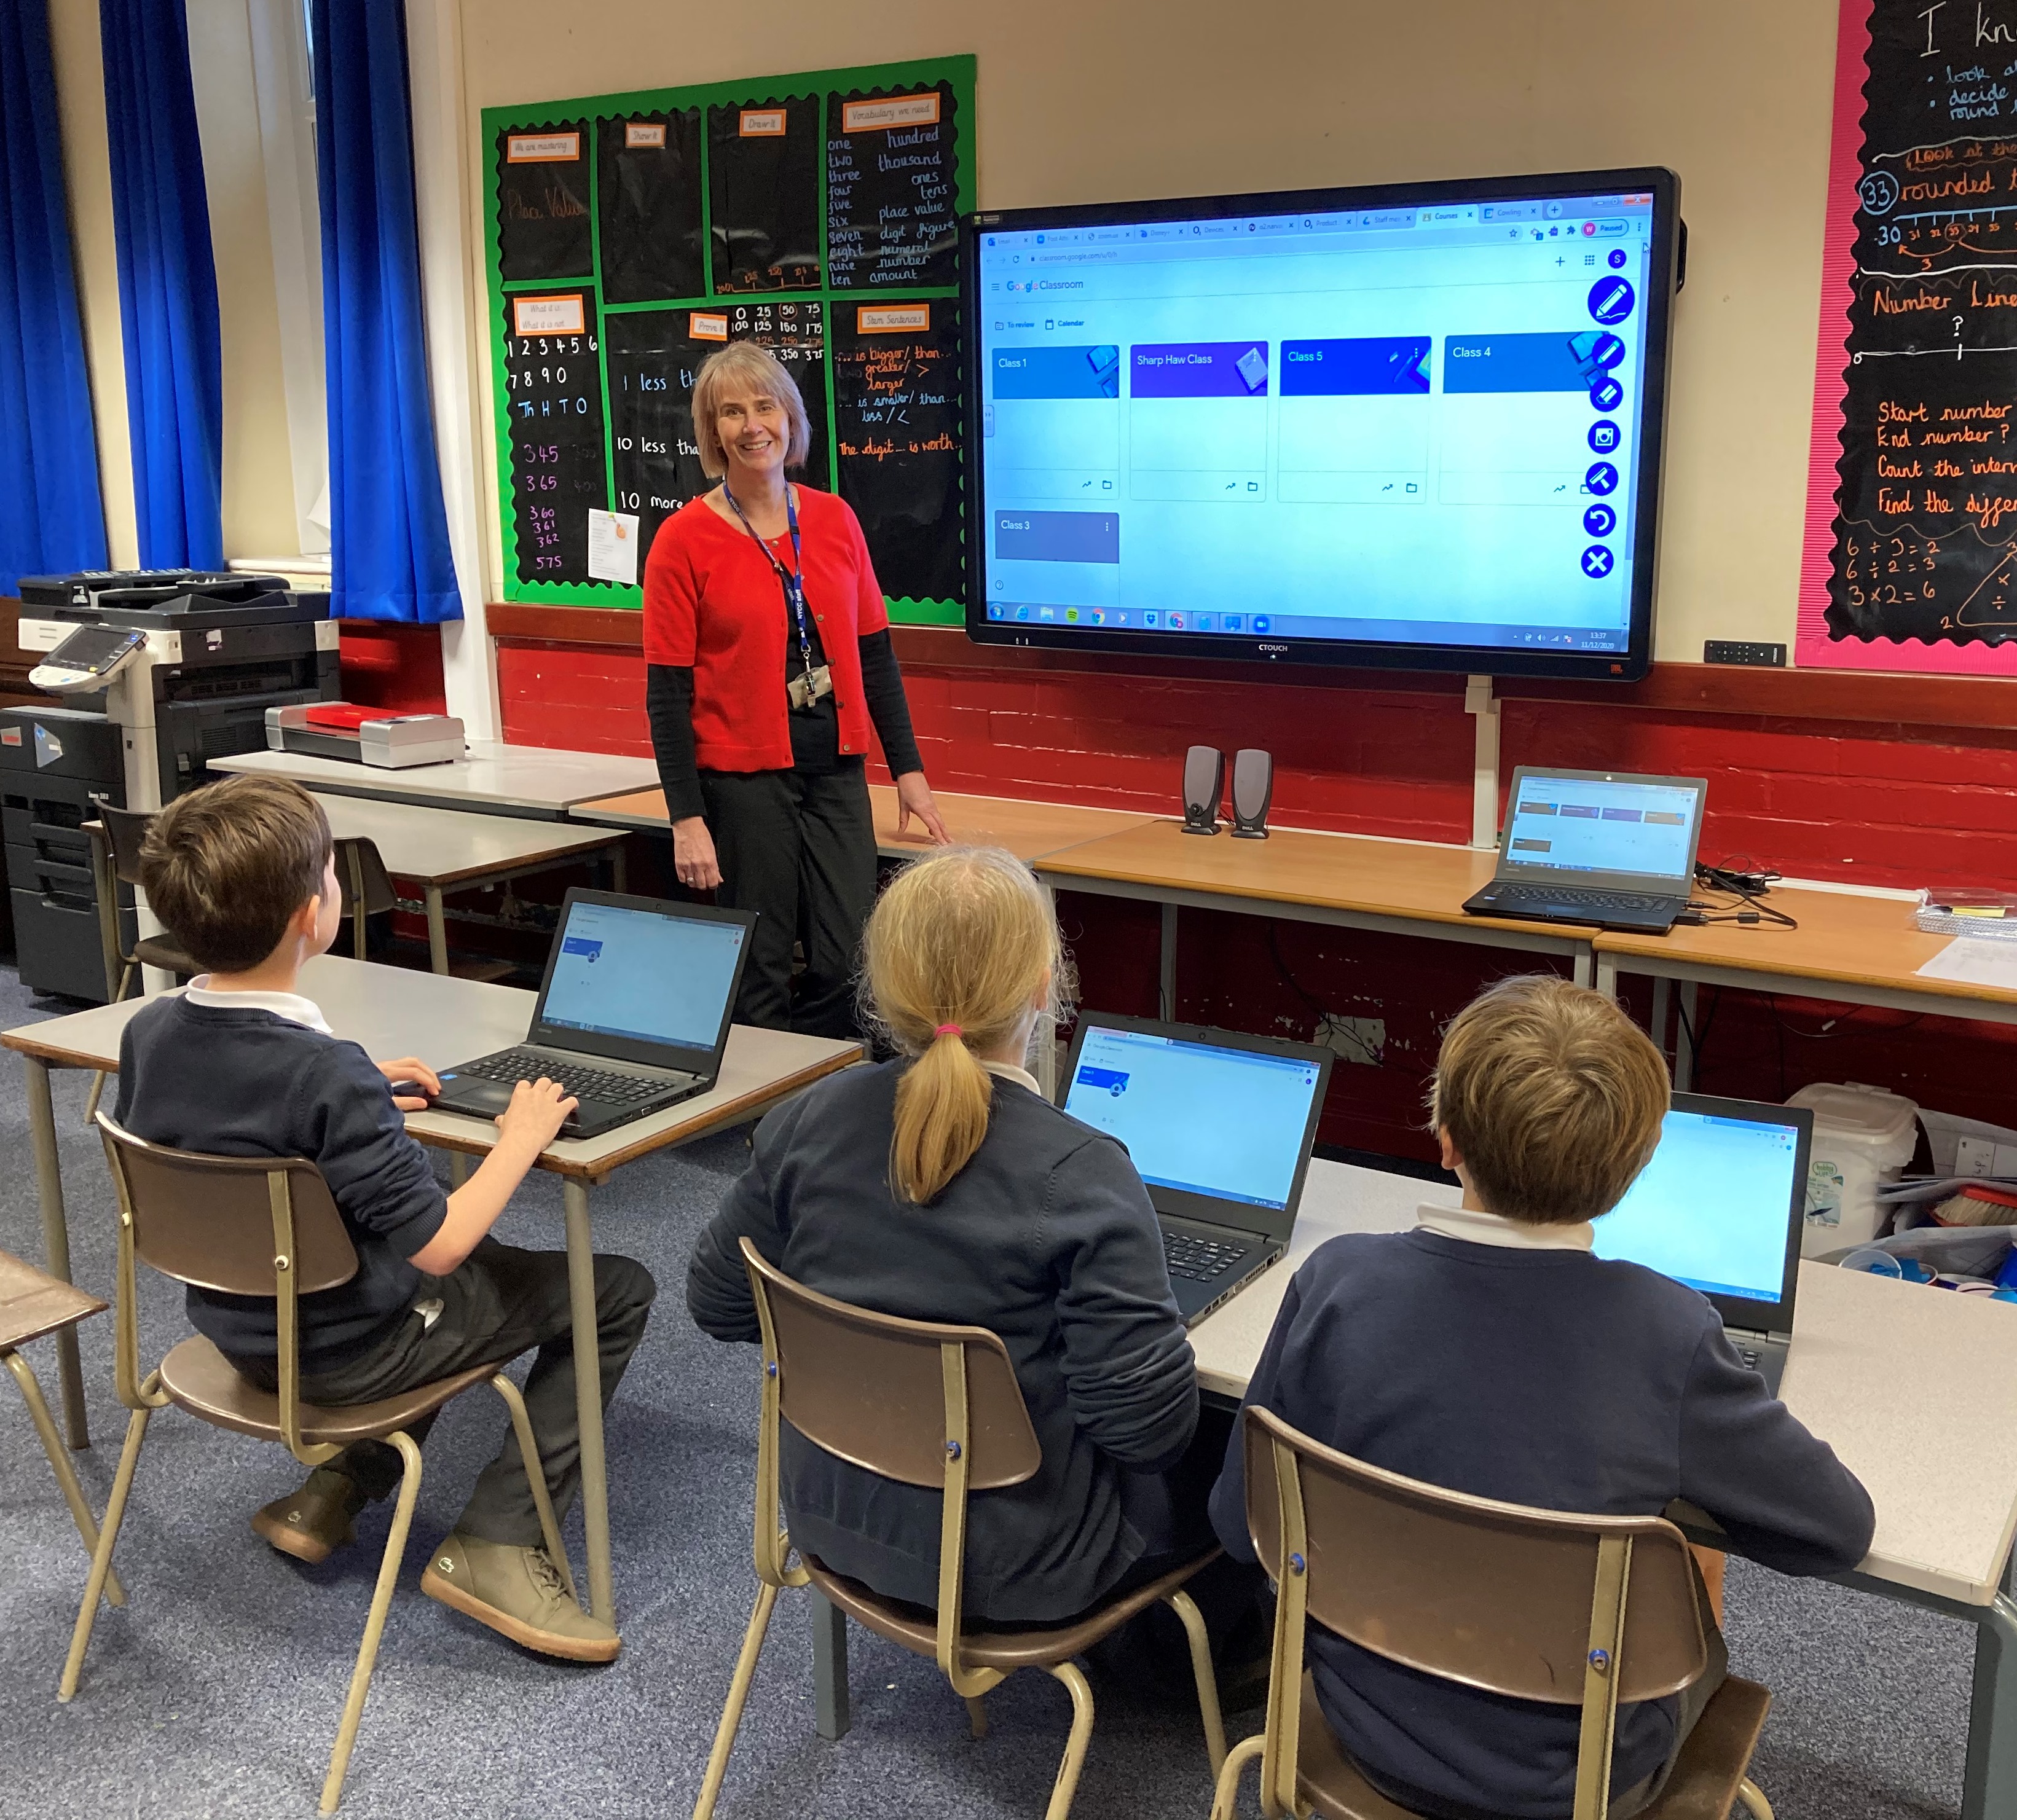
[769,658]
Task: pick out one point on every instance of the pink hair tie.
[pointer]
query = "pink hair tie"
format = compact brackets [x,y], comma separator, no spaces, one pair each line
[947,1030]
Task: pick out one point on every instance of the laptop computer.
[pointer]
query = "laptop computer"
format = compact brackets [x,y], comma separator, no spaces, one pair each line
[1602,847]
[1220,1127]
[1720,1207]
[632,1014]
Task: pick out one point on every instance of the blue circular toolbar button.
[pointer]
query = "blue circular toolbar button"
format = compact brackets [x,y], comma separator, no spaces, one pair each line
[1601,478]
[1603,436]
[1616,257]
[1607,353]
[1599,520]
[1612,299]
[1607,395]
[1597,561]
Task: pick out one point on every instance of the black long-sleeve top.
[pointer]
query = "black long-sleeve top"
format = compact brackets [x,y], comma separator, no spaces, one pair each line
[815,733]
[1047,1239]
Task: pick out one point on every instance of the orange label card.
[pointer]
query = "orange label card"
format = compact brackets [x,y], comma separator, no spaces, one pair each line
[763,123]
[703,327]
[635,135]
[891,318]
[548,316]
[542,148]
[863,117]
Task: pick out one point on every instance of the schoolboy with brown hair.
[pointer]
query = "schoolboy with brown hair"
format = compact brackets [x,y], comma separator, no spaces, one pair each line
[242,874]
[1487,1351]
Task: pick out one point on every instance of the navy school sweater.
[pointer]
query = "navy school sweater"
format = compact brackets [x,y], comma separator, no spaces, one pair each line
[1545,1378]
[241,1082]
[1046,1237]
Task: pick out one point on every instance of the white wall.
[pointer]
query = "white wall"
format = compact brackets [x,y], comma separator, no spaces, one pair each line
[1082,100]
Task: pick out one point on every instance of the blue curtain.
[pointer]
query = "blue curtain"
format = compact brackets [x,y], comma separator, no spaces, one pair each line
[388,529]
[167,285]
[51,518]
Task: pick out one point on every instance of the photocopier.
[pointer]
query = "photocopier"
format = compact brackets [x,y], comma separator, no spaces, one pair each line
[155,673]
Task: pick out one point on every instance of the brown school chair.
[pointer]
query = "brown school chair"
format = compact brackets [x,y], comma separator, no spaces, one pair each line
[33,1305]
[367,889]
[1524,1602]
[926,1405]
[265,1226]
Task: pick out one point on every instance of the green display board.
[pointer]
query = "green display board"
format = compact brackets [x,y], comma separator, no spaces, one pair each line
[631,235]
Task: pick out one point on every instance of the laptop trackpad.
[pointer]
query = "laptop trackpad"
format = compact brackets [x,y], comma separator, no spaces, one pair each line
[472,1094]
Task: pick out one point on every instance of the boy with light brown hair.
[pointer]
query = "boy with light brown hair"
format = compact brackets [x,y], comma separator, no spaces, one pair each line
[1489,1352]
[242,874]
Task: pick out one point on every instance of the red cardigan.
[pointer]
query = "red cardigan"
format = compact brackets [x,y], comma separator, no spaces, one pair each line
[712,602]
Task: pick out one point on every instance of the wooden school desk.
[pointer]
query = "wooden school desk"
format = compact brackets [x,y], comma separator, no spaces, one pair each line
[392,1012]
[444,850]
[1915,1388]
[1849,948]
[492,780]
[1352,881]
[1028,830]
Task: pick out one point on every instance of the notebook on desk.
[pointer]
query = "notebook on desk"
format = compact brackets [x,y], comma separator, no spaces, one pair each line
[1602,847]
[1720,1207]
[1219,1126]
[632,1017]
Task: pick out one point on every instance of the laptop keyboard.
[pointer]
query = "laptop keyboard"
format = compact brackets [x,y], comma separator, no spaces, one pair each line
[1200,1259]
[1577,895]
[509,1066]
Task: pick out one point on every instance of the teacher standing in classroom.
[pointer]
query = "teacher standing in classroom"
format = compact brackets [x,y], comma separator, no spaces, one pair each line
[770,657]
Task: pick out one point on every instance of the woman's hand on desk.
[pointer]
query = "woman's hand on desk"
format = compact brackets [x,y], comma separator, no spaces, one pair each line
[694,863]
[914,798]
[410,1070]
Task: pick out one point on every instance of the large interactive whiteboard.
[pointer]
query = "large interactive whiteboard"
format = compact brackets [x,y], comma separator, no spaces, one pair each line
[629,235]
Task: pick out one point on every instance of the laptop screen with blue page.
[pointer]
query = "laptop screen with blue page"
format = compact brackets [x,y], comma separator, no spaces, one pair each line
[1217,1128]
[624,974]
[1587,828]
[1719,1207]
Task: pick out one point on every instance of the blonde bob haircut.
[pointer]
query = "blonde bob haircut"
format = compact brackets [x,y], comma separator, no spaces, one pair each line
[957,950]
[743,367]
[1553,1096]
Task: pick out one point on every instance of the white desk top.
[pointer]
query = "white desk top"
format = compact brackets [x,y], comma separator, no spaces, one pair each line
[493,775]
[1915,1388]
[442,846]
[394,1012]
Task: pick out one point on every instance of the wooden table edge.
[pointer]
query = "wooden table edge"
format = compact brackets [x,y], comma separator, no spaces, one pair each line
[607,837]
[728,1112]
[21,1041]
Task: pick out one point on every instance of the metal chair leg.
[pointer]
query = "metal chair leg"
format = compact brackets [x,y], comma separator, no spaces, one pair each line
[738,1692]
[535,1476]
[1753,1798]
[80,1512]
[1226,1797]
[374,1625]
[976,1716]
[1185,1607]
[1082,1736]
[108,1539]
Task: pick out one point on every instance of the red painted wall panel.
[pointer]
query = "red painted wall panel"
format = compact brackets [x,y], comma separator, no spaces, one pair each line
[1871,803]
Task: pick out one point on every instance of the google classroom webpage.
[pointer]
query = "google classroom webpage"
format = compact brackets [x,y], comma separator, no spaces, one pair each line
[1408,424]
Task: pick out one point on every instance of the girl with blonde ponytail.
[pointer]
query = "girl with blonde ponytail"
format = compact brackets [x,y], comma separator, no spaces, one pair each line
[942,1186]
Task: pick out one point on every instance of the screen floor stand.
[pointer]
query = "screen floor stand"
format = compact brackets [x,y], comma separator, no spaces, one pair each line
[1480,703]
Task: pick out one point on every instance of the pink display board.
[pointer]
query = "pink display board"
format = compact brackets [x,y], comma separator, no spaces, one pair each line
[1910,555]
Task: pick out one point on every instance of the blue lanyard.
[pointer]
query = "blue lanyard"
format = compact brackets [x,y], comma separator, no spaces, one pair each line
[792,579]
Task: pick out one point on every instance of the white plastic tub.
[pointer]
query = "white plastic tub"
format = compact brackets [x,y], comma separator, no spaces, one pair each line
[1863,1137]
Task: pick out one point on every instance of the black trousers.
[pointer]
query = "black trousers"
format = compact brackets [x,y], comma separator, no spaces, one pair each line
[501,1301]
[799,849]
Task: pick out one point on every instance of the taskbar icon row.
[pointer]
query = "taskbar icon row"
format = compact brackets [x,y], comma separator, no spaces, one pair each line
[1133,618]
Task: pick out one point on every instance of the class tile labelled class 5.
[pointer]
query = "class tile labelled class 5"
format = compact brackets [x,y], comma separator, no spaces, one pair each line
[1360,1039]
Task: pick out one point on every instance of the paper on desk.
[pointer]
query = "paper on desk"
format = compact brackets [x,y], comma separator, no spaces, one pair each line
[1967,961]
[612,546]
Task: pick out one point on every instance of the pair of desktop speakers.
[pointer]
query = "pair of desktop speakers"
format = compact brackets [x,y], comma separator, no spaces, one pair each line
[1204,788]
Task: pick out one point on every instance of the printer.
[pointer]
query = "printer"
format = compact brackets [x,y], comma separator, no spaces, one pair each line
[151,673]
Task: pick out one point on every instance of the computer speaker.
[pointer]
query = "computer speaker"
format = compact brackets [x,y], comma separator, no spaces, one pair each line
[1205,785]
[1253,789]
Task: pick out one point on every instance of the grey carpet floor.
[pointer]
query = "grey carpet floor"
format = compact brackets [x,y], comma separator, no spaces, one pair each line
[216,1692]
